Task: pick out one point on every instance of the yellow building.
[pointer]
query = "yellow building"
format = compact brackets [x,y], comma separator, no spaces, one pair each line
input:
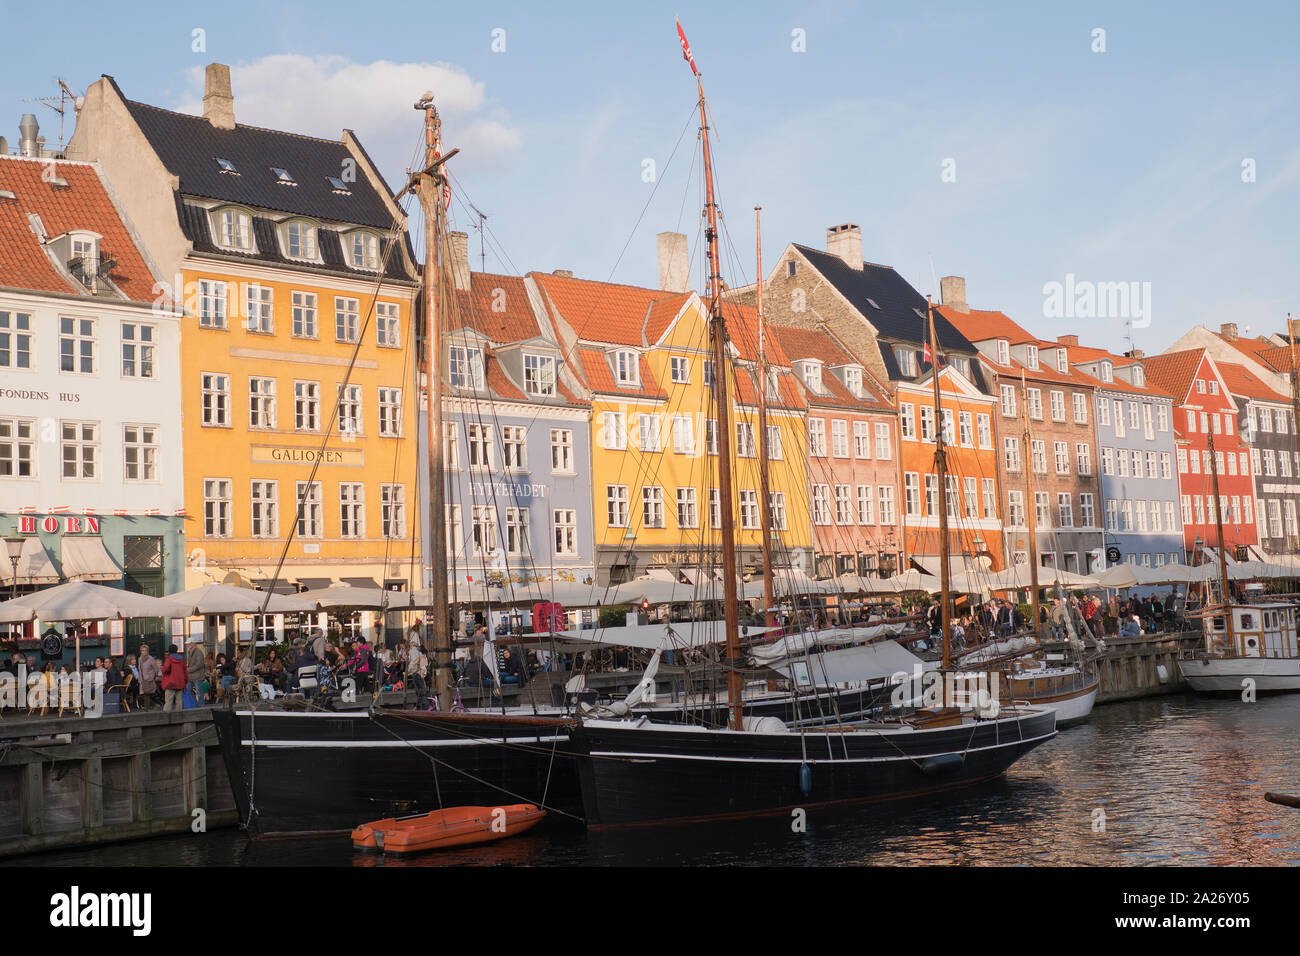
[292,275]
[644,357]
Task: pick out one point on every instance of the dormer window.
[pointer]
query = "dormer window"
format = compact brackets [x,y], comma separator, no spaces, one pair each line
[906,360]
[812,377]
[465,367]
[227,166]
[1139,377]
[1062,361]
[363,251]
[338,185]
[1107,372]
[626,368]
[853,381]
[299,238]
[84,261]
[283,176]
[1031,356]
[539,374]
[1004,352]
[234,229]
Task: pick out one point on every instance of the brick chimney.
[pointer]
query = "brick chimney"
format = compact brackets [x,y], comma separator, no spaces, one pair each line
[1135,354]
[845,241]
[674,262]
[1069,341]
[563,273]
[952,293]
[459,252]
[218,101]
[1228,330]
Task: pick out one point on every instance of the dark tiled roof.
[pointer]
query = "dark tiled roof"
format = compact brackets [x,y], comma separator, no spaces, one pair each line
[195,226]
[899,303]
[189,146]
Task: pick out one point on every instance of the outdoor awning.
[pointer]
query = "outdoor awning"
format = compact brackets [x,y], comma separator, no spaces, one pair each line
[84,559]
[34,565]
[311,584]
[278,587]
[361,582]
[957,564]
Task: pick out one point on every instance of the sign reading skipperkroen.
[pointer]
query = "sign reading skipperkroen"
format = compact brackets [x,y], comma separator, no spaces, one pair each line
[287,455]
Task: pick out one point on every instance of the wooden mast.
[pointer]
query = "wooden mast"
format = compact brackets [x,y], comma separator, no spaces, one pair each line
[1031,505]
[765,497]
[1223,557]
[1295,382]
[941,471]
[726,438]
[430,188]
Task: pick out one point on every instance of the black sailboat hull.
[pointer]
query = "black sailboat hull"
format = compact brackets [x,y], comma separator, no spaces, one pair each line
[332,771]
[659,774]
[320,771]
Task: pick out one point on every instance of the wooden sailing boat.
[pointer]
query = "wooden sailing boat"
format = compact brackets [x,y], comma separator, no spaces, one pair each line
[638,772]
[1246,646]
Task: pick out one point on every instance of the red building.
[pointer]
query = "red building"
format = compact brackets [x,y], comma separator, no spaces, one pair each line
[1204,414]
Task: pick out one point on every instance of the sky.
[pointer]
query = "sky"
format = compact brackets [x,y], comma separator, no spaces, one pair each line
[1019,145]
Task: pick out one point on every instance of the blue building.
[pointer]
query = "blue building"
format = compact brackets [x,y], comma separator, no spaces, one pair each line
[1136,447]
[518,455]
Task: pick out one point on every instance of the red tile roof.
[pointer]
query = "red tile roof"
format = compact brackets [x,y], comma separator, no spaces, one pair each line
[477,308]
[602,311]
[84,203]
[814,344]
[1174,371]
[1278,357]
[1241,381]
[661,314]
[600,379]
[981,325]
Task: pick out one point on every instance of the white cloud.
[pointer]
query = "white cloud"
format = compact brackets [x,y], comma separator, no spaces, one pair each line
[323,95]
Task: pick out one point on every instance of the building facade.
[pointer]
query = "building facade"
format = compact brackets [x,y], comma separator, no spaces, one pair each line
[644,360]
[90,424]
[1045,438]
[852,459]
[1266,421]
[296,287]
[1204,414]
[518,450]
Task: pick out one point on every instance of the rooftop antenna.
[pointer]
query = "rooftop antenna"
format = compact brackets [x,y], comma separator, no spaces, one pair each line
[60,104]
[482,242]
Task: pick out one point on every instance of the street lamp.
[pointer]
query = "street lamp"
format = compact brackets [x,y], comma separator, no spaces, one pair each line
[15,548]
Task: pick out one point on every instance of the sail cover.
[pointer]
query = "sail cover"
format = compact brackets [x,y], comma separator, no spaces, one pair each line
[798,644]
[850,665]
[681,635]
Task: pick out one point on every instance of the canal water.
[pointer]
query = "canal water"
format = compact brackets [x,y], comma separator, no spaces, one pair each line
[1162,781]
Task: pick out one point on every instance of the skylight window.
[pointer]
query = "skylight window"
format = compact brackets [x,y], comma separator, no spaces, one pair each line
[283,177]
[7,194]
[339,185]
[227,166]
[872,302]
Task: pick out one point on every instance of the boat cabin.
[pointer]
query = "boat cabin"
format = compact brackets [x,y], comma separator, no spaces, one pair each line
[1258,630]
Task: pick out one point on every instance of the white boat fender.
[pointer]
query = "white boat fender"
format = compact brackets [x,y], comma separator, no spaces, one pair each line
[941,763]
[805,779]
[1162,673]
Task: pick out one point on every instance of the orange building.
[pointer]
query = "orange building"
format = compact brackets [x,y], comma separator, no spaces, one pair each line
[966,415]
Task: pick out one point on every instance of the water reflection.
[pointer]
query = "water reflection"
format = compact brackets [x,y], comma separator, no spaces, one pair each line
[1169,780]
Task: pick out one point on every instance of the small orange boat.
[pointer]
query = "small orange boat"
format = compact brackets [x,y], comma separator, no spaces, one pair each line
[455,826]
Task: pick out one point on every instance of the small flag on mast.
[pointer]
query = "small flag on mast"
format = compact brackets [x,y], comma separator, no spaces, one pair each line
[686,48]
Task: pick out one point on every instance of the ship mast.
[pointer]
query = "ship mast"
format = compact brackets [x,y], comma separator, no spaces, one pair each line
[1295,382]
[765,497]
[430,185]
[726,438]
[1223,557]
[1031,506]
[941,471]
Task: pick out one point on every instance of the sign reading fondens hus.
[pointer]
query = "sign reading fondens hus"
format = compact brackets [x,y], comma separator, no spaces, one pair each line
[285,455]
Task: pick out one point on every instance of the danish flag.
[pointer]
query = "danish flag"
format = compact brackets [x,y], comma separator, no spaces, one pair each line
[90,511]
[59,510]
[151,512]
[686,48]
[27,510]
[120,512]
[179,513]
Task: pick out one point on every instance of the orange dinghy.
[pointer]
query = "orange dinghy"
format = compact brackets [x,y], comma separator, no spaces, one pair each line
[455,826]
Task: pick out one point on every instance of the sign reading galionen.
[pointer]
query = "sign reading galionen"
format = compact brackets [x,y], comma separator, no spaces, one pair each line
[290,455]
